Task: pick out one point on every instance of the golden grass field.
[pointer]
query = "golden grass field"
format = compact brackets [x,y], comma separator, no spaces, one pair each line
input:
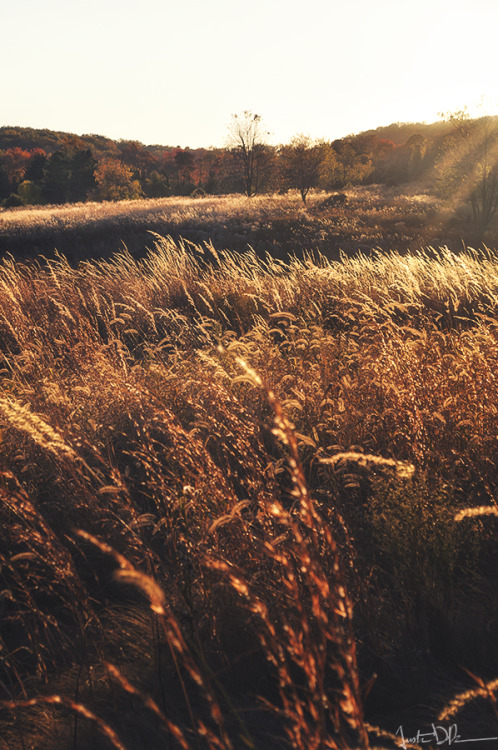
[373,216]
[233,499]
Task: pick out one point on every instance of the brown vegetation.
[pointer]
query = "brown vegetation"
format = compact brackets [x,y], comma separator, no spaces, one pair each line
[362,218]
[457,158]
[228,497]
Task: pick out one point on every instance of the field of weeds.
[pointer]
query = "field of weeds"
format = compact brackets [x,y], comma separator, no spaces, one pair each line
[370,217]
[235,499]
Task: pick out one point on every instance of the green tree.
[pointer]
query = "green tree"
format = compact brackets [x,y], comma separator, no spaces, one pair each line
[354,166]
[157,186]
[29,192]
[329,168]
[82,167]
[4,184]
[34,169]
[56,178]
[13,201]
[68,175]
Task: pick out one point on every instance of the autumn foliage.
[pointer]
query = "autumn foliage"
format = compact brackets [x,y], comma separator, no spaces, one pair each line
[64,168]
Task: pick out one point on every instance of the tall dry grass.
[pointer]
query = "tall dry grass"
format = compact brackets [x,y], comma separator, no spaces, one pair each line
[228,494]
[372,216]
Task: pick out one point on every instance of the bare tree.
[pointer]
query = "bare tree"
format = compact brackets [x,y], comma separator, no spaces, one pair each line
[246,141]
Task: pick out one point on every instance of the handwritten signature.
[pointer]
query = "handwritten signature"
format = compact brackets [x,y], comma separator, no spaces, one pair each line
[439,735]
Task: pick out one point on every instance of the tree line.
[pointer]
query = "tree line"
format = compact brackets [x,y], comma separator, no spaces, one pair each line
[45,167]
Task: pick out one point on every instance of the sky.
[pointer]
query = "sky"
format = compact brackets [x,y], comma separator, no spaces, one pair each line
[173,73]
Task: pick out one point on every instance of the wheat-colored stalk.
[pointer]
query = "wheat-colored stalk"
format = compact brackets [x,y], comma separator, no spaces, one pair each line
[487,690]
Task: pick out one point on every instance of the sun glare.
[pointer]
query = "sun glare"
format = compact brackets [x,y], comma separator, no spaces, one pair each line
[328,70]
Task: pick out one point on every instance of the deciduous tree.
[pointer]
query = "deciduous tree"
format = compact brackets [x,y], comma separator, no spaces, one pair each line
[29,193]
[247,144]
[300,162]
[116,181]
[15,161]
[136,156]
[468,167]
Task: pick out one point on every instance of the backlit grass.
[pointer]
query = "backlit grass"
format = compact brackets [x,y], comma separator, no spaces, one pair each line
[228,496]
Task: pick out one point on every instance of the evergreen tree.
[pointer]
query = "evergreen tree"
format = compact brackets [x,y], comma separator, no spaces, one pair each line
[4,184]
[82,180]
[34,169]
[157,186]
[56,178]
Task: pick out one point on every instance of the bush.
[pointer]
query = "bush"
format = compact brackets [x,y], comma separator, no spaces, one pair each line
[29,193]
[13,201]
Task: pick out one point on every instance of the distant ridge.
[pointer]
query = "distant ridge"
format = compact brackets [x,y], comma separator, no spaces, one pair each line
[53,140]
[401,132]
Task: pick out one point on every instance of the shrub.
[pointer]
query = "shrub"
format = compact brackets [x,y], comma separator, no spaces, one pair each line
[29,193]
[13,201]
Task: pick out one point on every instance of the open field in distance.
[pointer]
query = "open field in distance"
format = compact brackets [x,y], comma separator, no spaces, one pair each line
[372,217]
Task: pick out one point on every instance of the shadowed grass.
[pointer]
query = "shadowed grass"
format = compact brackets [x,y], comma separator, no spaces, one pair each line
[228,493]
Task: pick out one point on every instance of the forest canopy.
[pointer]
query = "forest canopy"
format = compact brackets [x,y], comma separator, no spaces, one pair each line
[50,167]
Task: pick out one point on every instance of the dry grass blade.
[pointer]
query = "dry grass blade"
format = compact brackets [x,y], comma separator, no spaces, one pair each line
[404,470]
[21,418]
[217,423]
[150,703]
[483,510]
[488,690]
[78,708]
[146,584]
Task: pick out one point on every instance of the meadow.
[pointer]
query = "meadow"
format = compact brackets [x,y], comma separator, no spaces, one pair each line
[371,216]
[247,501]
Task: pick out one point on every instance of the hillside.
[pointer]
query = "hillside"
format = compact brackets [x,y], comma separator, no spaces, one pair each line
[401,132]
[438,186]
[51,140]
[368,218]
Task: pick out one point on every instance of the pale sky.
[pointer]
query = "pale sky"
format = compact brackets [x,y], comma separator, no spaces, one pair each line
[173,72]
